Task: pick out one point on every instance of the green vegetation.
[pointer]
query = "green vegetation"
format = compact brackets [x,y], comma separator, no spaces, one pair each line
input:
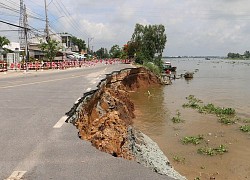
[209,108]
[50,49]
[226,120]
[212,151]
[177,118]
[245,128]
[192,102]
[147,44]
[4,41]
[192,139]
[79,42]
[226,115]
[115,51]
[179,159]
[102,53]
[152,67]
[246,55]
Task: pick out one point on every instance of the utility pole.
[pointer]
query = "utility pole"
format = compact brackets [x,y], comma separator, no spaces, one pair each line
[47,22]
[23,31]
[25,23]
[89,40]
[21,24]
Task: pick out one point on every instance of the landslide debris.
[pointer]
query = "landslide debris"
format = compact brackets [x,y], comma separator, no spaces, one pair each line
[104,117]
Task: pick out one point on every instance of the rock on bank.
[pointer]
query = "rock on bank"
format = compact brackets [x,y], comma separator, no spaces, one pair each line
[104,117]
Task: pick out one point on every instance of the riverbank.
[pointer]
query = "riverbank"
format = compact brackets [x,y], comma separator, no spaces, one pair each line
[105,118]
[219,82]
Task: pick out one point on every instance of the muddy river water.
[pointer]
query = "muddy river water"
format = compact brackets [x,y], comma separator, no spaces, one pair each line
[224,83]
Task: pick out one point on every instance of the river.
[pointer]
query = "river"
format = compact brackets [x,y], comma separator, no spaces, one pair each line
[225,83]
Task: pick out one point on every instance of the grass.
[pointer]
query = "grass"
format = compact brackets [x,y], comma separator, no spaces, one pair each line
[177,118]
[213,151]
[245,128]
[192,139]
[153,67]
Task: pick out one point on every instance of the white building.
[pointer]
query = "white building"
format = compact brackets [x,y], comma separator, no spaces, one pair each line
[15,56]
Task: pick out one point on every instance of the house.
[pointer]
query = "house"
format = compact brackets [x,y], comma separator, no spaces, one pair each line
[14,56]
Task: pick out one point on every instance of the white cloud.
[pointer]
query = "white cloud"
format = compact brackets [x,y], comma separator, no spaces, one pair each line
[193,27]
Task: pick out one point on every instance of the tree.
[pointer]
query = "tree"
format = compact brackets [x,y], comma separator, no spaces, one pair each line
[115,51]
[50,49]
[79,42]
[4,41]
[247,54]
[234,56]
[148,43]
[132,47]
[102,53]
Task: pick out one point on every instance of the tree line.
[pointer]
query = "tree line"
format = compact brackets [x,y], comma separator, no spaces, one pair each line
[145,47]
[246,55]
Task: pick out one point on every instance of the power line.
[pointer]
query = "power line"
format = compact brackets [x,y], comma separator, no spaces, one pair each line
[13,25]
[73,24]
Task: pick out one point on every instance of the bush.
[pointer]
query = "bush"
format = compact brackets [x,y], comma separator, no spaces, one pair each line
[152,67]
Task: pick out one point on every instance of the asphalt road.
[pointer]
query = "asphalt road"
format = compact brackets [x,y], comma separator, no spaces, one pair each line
[35,143]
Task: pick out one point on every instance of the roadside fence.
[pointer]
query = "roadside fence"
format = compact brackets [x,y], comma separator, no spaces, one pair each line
[58,64]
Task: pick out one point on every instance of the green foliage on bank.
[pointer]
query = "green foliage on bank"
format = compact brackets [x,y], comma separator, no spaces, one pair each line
[146,46]
[152,67]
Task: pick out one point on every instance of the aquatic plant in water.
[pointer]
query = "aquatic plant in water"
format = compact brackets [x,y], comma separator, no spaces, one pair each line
[226,115]
[192,139]
[196,103]
[213,151]
[179,159]
[177,118]
[192,102]
[245,128]
[226,120]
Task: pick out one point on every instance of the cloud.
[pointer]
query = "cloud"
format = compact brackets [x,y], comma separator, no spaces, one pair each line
[193,27]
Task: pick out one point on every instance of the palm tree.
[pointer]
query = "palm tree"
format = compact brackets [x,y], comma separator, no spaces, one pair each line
[3,41]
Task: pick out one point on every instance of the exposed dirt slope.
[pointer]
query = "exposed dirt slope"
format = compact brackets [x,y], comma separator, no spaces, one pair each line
[104,117]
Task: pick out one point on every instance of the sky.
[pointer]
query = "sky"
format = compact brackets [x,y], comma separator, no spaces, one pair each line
[193,27]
